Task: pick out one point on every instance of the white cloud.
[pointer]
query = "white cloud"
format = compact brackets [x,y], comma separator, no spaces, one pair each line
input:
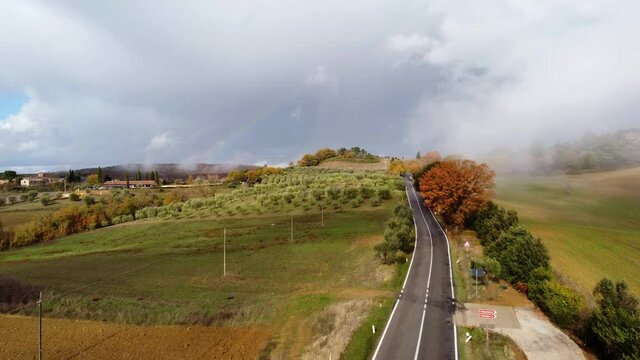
[515,71]
[104,79]
[318,76]
[296,114]
[413,43]
[159,142]
[27,145]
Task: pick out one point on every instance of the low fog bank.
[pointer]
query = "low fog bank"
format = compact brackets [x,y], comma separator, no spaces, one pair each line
[592,152]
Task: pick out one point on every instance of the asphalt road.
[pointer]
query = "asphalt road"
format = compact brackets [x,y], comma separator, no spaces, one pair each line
[421,324]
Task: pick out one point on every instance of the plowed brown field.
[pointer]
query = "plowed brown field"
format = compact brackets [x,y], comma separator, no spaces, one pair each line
[69,339]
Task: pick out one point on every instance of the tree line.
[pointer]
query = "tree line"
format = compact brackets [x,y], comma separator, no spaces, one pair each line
[353,154]
[77,218]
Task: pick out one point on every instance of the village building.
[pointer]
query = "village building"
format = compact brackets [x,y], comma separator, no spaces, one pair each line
[134,184]
[39,180]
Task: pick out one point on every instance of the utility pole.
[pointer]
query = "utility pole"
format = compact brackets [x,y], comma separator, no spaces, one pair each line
[224,253]
[40,327]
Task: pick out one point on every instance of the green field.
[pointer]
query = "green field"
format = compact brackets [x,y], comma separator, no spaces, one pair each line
[23,212]
[170,270]
[589,222]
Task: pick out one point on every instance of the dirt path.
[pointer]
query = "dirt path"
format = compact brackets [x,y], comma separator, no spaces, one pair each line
[69,339]
[534,334]
[540,339]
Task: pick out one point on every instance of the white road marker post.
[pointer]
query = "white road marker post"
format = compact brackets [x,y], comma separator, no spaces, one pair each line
[40,327]
[373,328]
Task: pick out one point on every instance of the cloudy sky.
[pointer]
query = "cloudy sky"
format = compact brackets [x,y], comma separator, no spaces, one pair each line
[97,83]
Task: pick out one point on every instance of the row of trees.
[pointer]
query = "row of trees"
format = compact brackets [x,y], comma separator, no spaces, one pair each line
[399,236]
[614,327]
[74,219]
[251,176]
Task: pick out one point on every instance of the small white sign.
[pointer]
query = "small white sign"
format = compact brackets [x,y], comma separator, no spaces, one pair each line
[467,245]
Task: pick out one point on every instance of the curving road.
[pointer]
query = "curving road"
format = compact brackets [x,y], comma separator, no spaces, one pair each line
[421,325]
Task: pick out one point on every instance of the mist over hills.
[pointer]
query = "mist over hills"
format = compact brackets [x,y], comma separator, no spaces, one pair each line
[592,152]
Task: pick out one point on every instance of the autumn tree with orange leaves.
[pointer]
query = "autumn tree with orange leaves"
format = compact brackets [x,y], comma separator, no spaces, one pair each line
[457,188]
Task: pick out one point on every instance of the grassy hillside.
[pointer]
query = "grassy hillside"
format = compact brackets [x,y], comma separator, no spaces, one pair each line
[589,222]
[168,269]
[20,213]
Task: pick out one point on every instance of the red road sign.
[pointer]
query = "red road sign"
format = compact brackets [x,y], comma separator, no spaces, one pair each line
[487,314]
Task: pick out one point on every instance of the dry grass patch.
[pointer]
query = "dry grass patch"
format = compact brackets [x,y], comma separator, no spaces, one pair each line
[334,326]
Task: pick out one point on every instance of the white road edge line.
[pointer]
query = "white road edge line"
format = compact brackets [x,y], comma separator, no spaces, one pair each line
[375,354]
[453,294]
[424,311]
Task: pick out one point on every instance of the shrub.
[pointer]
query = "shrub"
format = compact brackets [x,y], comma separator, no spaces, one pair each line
[384,193]
[375,201]
[519,253]
[141,214]
[89,200]
[11,199]
[350,193]
[333,193]
[24,197]
[317,194]
[615,325]
[44,200]
[33,194]
[562,304]
[490,222]
[366,192]
[152,212]
[74,197]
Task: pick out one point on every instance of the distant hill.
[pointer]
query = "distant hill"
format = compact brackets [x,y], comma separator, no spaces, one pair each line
[169,172]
